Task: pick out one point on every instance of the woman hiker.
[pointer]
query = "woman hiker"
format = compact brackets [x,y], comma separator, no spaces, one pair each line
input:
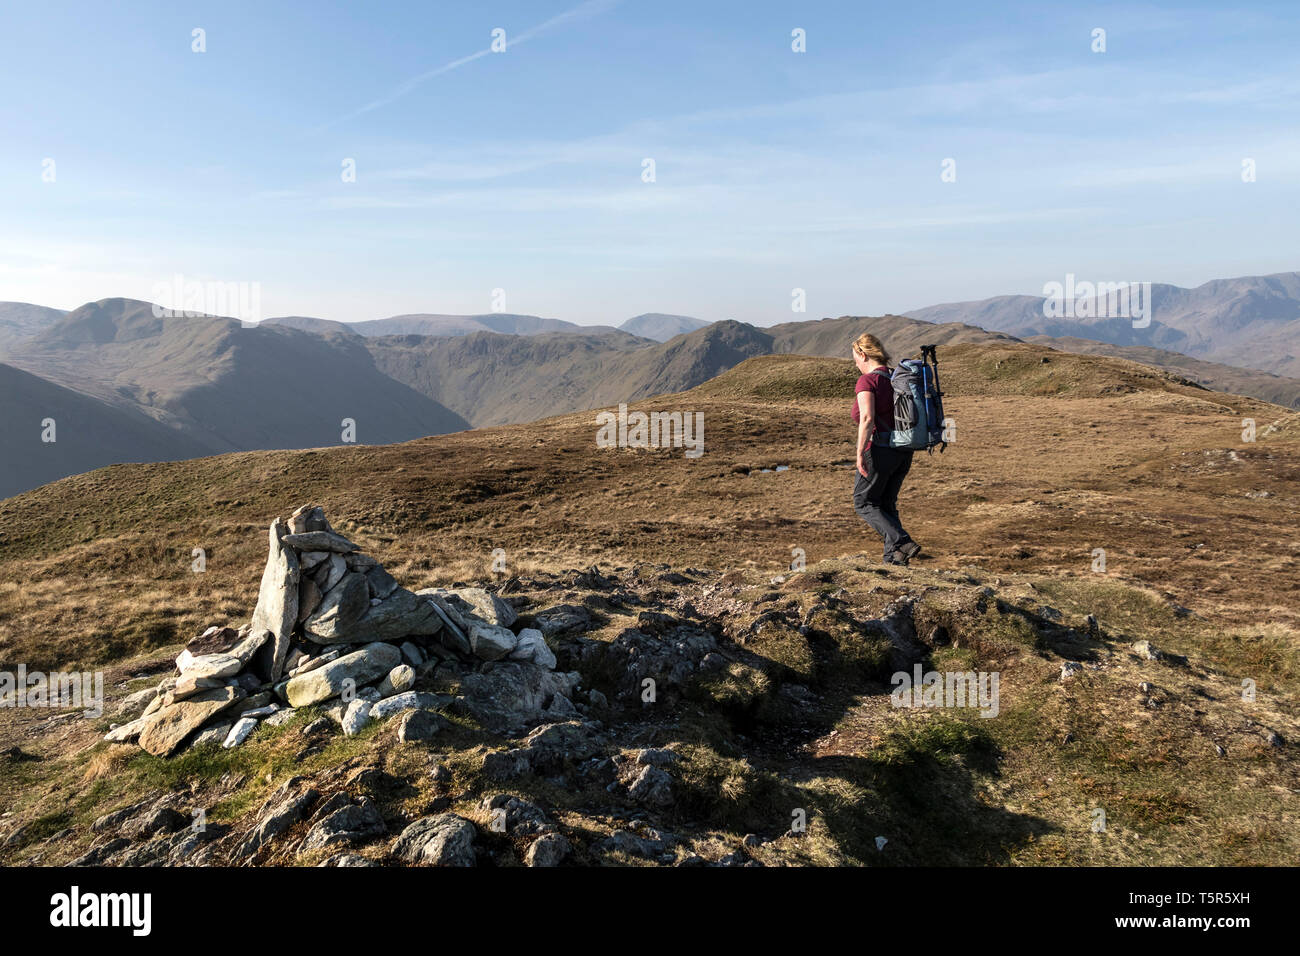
[881,469]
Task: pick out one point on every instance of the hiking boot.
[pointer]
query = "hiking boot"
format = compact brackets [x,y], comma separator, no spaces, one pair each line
[907,551]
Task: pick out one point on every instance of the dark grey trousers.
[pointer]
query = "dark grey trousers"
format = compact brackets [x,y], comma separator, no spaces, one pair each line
[875,499]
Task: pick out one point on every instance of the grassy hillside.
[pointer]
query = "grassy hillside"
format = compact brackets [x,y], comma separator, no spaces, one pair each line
[1053,459]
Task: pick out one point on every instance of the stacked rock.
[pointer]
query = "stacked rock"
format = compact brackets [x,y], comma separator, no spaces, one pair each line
[331,628]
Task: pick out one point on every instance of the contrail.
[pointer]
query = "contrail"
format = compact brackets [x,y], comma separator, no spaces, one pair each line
[587,9]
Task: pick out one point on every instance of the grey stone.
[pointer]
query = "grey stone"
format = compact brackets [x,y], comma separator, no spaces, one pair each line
[454,628]
[355,717]
[320,541]
[280,717]
[343,606]
[285,809]
[507,693]
[442,840]
[308,518]
[549,849]
[412,654]
[320,660]
[417,725]
[331,572]
[491,642]
[227,664]
[259,712]
[165,729]
[347,825]
[134,704]
[1147,651]
[487,606]
[652,786]
[127,732]
[657,757]
[410,700]
[532,647]
[214,640]
[240,732]
[277,599]
[337,709]
[563,618]
[309,598]
[361,667]
[399,680]
[215,734]
[381,582]
[310,560]
[400,615]
[348,859]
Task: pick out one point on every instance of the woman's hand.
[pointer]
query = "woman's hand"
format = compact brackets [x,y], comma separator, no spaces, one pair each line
[864,463]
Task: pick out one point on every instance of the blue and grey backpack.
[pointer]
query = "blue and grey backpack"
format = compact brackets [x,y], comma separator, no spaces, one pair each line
[918,403]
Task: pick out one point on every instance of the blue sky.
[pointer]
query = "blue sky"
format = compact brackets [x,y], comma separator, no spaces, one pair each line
[522,170]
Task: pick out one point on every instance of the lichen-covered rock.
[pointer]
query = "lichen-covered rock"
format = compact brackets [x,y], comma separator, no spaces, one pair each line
[442,840]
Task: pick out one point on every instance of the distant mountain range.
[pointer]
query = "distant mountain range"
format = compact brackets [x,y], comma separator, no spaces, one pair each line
[660,326]
[1251,321]
[651,325]
[438,325]
[125,385]
[216,386]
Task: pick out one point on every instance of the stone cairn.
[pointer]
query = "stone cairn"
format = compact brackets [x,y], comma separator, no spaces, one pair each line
[332,628]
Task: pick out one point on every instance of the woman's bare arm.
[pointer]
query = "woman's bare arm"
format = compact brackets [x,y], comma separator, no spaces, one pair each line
[866,429]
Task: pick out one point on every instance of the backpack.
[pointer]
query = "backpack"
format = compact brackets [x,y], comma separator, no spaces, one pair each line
[918,403]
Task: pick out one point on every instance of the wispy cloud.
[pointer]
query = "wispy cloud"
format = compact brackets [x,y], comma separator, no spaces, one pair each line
[582,11]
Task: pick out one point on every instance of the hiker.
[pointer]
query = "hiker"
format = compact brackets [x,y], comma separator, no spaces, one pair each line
[881,469]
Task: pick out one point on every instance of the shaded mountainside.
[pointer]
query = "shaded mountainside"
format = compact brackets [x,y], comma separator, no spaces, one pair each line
[87,434]
[22,320]
[1251,321]
[1118,689]
[494,380]
[226,387]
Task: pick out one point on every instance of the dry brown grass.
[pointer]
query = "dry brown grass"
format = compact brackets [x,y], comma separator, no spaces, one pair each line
[1052,461]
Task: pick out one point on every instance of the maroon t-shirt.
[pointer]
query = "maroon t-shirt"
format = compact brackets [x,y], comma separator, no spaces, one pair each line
[882,396]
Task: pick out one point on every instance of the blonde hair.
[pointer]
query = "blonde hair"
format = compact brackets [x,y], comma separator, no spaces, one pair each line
[868,346]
